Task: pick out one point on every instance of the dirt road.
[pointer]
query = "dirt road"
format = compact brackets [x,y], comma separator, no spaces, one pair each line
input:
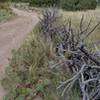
[12,35]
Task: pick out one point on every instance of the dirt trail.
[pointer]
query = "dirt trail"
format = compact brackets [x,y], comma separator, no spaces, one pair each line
[12,35]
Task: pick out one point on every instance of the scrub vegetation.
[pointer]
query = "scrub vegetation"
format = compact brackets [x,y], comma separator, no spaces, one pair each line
[5,11]
[60,60]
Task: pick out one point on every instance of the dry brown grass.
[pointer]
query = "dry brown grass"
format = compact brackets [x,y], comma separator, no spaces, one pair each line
[90,14]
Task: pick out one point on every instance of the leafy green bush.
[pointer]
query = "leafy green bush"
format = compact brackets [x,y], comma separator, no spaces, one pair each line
[78,4]
[20,0]
[66,4]
[44,3]
[69,4]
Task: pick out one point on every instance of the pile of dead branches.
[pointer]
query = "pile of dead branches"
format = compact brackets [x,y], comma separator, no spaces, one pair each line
[84,63]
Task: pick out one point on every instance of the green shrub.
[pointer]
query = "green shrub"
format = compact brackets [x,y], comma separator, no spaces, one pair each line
[72,5]
[44,3]
[69,4]
[66,4]
[78,4]
[5,11]
[20,0]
